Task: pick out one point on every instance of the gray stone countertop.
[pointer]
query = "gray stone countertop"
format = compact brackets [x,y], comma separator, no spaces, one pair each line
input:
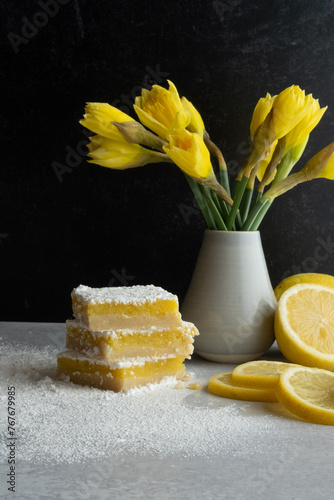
[296,466]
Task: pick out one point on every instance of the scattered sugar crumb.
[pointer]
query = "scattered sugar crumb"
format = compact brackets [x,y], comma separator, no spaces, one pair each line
[196,386]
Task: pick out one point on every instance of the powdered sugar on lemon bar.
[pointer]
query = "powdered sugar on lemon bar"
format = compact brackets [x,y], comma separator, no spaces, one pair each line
[138,306]
[113,345]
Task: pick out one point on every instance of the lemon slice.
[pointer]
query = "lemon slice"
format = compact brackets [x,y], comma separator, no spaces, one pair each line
[258,374]
[304,325]
[316,278]
[221,385]
[308,393]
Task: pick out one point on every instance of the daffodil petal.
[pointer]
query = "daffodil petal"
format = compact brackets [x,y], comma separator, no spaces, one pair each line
[189,152]
[260,113]
[151,122]
[304,126]
[196,123]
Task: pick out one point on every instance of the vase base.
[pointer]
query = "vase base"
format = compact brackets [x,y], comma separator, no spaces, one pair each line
[229,358]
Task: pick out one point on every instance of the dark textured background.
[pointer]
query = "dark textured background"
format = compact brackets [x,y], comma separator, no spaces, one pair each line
[95,226]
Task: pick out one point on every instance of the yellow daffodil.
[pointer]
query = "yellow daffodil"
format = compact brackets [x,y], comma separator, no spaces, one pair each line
[321,165]
[172,130]
[189,152]
[305,125]
[297,136]
[121,155]
[289,107]
[291,113]
[99,116]
[196,123]
[260,113]
[161,110]
[282,113]
[328,171]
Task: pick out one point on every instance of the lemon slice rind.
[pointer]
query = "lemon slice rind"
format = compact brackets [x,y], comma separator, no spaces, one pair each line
[259,374]
[288,341]
[220,385]
[316,278]
[295,388]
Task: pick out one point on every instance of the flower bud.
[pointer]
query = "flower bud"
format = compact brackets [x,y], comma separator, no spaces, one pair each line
[121,155]
[99,116]
[134,132]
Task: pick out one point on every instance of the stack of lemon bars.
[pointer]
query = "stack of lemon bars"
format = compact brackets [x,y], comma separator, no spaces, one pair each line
[125,337]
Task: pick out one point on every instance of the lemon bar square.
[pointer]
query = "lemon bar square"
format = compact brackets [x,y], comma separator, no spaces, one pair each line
[138,306]
[118,377]
[114,345]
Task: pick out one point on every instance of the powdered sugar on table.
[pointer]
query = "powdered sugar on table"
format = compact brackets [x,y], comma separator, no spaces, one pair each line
[58,422]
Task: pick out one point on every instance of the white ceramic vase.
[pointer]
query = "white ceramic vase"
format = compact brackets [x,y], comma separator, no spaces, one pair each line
[230,298]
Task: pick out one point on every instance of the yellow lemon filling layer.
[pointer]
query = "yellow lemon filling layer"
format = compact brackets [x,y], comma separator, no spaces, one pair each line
[117,377]
[125,307]
[114,345]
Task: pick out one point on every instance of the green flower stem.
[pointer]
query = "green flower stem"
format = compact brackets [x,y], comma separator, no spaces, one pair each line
[235,187]
[226,185]
[225,210]
[258,196]
[210,221]
[289,160]
[240,189]
[213,208]
[246,203]
[238,222]
[283,169]
[224,180]
[256,215]
[258,219]
[214,197]
[223,207]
